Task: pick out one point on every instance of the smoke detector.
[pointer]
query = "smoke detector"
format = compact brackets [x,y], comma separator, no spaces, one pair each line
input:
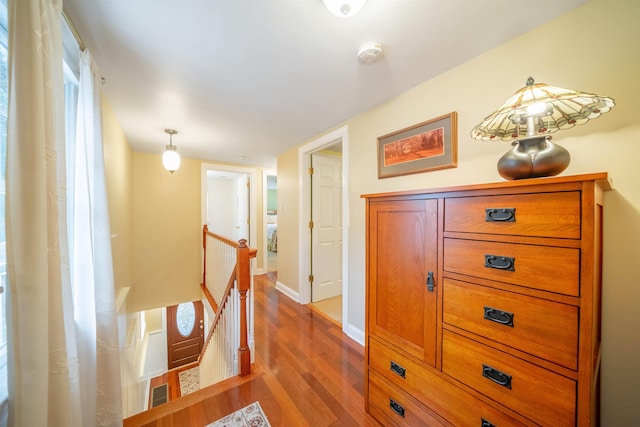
[370,53]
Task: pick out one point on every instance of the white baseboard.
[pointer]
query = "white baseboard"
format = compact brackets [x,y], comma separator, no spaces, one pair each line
[355,334]
[259,271]
[351,331]
[294,295]
[147,391]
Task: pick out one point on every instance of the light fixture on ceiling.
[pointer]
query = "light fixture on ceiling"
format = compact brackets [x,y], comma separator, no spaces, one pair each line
[170,157]
[344,8]
[528,117]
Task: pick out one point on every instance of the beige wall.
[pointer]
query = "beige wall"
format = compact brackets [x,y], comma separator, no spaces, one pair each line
[167,223]
[288,219]
[593,48]
[118,160]
[167,233]
[153,318]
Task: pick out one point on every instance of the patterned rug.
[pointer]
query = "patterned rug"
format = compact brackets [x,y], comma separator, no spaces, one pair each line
[249,416]
[189,381]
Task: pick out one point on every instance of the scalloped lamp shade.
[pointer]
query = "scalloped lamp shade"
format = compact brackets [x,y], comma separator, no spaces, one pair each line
[528,117]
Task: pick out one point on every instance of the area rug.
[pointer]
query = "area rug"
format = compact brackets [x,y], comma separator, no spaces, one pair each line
[189,381]
[249,416]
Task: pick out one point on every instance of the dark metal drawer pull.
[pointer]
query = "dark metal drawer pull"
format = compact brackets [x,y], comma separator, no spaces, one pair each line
[396,407]
[430,281]
[398,370]
[500,214]
[496,376]
[500,262]
[498,316]
[486,423]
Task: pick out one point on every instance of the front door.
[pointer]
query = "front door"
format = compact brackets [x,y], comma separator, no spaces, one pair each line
[185,333]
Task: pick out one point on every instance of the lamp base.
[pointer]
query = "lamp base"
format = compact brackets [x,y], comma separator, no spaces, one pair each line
[533,157]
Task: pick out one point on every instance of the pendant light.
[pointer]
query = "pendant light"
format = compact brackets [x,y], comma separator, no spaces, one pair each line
[170,157]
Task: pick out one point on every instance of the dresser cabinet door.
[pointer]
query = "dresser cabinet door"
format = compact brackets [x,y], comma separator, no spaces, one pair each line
[403,275]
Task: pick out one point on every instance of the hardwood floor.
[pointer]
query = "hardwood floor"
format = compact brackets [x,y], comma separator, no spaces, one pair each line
[307,373]
[171,379]
[331,308]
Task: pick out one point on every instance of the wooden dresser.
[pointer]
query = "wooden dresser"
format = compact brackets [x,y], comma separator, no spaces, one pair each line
[483,303]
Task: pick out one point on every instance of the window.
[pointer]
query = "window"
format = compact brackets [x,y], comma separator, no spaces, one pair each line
[71,84]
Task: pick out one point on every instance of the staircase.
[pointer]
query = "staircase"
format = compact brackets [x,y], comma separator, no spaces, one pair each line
[226,285]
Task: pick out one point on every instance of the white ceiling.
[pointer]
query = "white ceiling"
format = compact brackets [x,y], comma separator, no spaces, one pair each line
[244,80]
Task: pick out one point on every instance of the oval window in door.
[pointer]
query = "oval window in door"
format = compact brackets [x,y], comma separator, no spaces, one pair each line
[186,318]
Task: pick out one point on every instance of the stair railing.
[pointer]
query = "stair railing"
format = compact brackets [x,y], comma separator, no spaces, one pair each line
[226,282]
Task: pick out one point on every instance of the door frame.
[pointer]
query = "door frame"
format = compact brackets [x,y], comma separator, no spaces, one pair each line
[265,255]
[318,263]
[304,199]
[205,167]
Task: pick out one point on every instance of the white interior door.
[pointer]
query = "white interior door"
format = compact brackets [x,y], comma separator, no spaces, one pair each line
[220,205]
[228,205]
[242,213]
[326,234]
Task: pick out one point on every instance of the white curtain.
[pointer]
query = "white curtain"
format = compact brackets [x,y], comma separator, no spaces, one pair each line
[40,367]
[62,371]
[91,264]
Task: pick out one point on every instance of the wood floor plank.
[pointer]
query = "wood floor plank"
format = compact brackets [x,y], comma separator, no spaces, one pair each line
[329,399]
[307,373]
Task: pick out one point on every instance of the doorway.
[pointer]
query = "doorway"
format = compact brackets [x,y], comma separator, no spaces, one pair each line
[185,333]
[270,204]
[228,201]
[337,141]
[326,217]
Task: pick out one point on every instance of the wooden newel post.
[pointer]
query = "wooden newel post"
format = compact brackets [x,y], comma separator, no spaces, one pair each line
[244,282]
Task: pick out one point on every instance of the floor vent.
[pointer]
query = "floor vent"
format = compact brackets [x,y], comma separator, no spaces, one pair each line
[159,395]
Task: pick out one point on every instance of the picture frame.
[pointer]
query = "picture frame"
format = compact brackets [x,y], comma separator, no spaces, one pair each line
[425,147]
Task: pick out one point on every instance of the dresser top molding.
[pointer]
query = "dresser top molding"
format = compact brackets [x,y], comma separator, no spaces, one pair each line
[601,178]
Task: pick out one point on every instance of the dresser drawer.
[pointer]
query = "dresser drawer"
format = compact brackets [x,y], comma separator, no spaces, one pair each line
[547,268]
[539,327]
[540,215]
[540,395]
[397,407]
[434,391]
[397,368]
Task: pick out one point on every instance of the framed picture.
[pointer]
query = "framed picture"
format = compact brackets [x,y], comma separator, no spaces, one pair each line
[424,147]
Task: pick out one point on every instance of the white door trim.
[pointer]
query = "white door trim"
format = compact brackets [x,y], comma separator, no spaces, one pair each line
[265,255]
[304,200]
[252,194]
